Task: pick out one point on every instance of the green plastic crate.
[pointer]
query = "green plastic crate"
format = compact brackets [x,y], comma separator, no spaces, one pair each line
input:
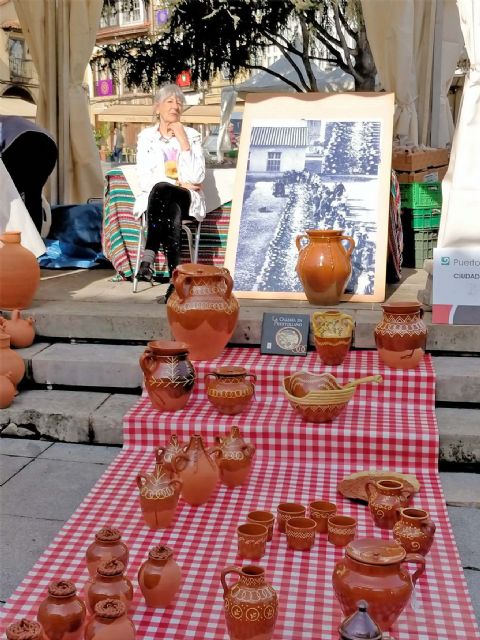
[421,195]
[425,219]
[425,243]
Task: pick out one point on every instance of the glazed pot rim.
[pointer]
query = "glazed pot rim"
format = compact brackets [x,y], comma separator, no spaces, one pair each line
[290,506]
[325,232]
[230,371]
[406,306]
[168,347]
[375,551]
[199,270]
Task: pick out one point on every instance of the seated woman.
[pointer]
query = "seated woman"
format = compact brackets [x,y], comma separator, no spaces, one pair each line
[171,169]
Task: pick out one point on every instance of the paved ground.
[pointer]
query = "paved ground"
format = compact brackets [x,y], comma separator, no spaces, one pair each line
[42,483]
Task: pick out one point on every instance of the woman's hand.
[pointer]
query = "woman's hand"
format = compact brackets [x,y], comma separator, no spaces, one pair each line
[193,186]
[178,131]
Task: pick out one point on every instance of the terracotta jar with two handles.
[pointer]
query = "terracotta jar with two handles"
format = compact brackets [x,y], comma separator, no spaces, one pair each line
[230,389]
[234,458]
[159,495]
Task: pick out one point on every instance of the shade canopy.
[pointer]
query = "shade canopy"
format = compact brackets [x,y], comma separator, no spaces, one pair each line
[17,107]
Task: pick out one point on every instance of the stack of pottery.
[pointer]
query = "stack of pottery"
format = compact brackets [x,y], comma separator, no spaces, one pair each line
[229,389]
[19,272]
[401,335]
[332,335]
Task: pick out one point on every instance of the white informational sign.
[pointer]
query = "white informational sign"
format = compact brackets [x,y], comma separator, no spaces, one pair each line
[456,286]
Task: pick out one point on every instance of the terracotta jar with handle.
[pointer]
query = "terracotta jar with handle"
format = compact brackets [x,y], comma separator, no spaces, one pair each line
[230,389]
[384,498]
[324,265]
[166,455]
[10,361]
[159,577]
[401,335]
[24,630]
[7,390]
[332,335]
[234,458]
[414,530]
[374,570]
[108,545]
[158,497]
[110,622]
[62,614]
[109,582]
[21,332]
[19,272]
[202,311]
[198,471]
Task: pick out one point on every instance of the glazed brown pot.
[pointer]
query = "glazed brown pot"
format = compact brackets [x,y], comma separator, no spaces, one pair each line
[373,570]
[7,390]
[401,335]
[169,375]
[21,332]
[323,266]
[24,630]
[159,577]
[234,458]
[108,545]
[111,583]
[332,335]
[166,455]
[199,473]
[414,530]
[62,613]
[384,498]
[250,605]
[110,622]
[10,361]
[19,272]
[158,497]
[202,311]
[229,389]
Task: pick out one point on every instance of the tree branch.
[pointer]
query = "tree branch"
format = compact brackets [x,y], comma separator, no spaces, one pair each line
[306,59]
[345,47]
[291,61]
[351,32]
[276,75]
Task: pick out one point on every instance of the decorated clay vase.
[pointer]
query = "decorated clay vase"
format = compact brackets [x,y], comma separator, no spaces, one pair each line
[109,582]
[332,335]
[166,455]
[7,390]
[110,622]
[198,471]
[324,265]
[168,373]
[159,577]
[108,545]
[62,613]
[250,604]
[234,458]
[202,311]
[24,630]
[19,272]
[10,361]
[375,570]
[21,332]
[230,389]
[384,498]
[414,530]
[401,335]
[158,497]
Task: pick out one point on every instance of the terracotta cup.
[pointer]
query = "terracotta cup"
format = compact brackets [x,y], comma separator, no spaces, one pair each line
[300,533]
[252,539]
[341,530]
[263,517]
[320,511]
[288,510]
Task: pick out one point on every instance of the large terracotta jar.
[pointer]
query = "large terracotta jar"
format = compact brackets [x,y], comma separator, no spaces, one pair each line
[109,582]
[7,390]
[110,622]
[202,311]
[159,577]
[24,630]
[198,471]
[234,458]
[251,604]
[19,272]
[401,335]
[384,498]
[169,375]
[21,332]
[414,530]
[230,389]
[62,613]
[332,335]
[324,265]
[166,455]
[373,570]
[158,497]
[10,361]
[108,545]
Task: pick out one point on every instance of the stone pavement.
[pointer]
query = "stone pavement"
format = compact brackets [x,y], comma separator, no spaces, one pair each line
[42,483]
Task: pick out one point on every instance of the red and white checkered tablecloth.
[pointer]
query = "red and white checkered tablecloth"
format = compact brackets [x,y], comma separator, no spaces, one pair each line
[388,426]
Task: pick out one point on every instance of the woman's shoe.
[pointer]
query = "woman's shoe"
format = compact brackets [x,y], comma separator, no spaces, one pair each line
[145,272]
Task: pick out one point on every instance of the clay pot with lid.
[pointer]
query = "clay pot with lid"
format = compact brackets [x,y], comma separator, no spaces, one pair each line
[7,390]
[10,362]
[384,498]
[324,266]
[401,335]
[166,455]
[168,373]
[202,311]
[19,272]
[159,577]
[110,622]
[24,630]
[198,471]
[234,458]
[414,530]
[62,613]
[230,389]
[108,545]
[159,495]
[21,332]
[375,570]
[110,582]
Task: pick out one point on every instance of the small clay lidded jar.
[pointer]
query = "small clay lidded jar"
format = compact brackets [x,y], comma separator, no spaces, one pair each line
[110,582]
[110,622]
[159,577]
[360,626]
[108,545]
[24,630]
[62,613]
[229,389]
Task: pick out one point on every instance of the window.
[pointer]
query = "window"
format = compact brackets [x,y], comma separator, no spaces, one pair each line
[273,160]
[132,11]
[16,58]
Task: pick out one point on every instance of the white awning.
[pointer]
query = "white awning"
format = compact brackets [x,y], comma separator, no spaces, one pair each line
[17,107]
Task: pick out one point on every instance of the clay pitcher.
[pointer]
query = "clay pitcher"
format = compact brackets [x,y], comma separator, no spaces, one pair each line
[202,311]
[414,530]
[332,335]
[384,498]
[108,545]
[234,458]
[159,577]
[401,335]
[110,582]
[62,613]
[168,373]
[229,389]
[166,455]
[199,473]
[158,497]
[19,272]
[10,361]
[250,605]
[24,630]
[7,390]
[110,622]
[21,332]
[373,570]
[324,265]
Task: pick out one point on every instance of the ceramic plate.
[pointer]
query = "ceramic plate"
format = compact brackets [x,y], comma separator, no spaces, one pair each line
[354,486]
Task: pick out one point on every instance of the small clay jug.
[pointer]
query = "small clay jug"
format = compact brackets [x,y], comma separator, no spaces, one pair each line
[7,390]
[229,389]
[198,471]
[21,332]
[159,577]
[234,458]
[384,498]
[110,582]
[158,497]
[19,272]
[202,311]
[62,613]
[168,373]
[10,361]
[414,530]
[108,545]
[165,455]
[360,626]
[251,604]
[110,622]
[24,630]
[324,267]
[332,335]
[401,335]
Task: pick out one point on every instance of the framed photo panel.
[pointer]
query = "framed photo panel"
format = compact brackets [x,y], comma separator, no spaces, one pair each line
[310,161]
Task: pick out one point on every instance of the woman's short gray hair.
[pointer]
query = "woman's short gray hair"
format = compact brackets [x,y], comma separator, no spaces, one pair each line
[168,90]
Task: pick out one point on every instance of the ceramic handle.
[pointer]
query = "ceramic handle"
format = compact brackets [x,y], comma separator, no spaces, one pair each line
[417,559]
[351,244]
[159,453]
[211,374]
[225,573]
[405,493]
[176,483]
[179,462]
[298,240]
[181,283]
[141,480]
[147,362]
[251,375]
[369,488]
[213,450]
[229,282]
[354,383]
[249,450]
